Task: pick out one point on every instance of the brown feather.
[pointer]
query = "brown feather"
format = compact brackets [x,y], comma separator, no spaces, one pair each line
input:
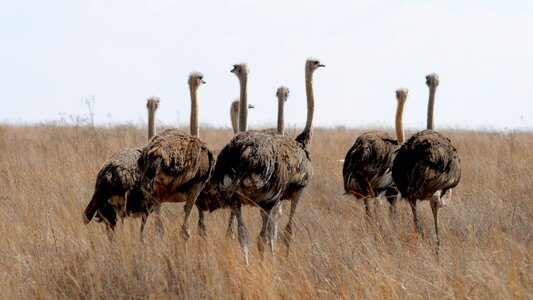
[260,167]
[118,177]
[174,165]
[426,163]
[368,163]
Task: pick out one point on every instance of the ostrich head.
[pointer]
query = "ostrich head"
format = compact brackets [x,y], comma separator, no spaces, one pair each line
[401,95]
[432,80]
[196,79]
[235,105]
[152,103]
[312,64]
[209,199]
[240,70]
[282,93]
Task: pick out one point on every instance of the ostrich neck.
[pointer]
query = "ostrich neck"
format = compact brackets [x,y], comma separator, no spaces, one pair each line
[243,105]
[400,137]
[281,121]
[233,116]
[194,112]
[431,105]
[310,104]
[151,121]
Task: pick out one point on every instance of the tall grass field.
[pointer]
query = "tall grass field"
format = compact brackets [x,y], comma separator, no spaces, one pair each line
[47,176]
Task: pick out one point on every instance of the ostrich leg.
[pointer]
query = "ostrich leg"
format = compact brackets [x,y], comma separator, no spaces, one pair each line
[418,226]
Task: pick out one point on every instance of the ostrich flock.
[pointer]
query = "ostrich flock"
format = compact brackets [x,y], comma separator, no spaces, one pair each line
[263,168]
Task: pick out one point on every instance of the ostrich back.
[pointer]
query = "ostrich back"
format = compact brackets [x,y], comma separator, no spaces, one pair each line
[118,176]
[270,131]
[260,168]
[174,165]
[368,163]
[426,163]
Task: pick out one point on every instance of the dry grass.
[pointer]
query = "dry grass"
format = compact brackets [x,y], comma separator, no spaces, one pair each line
[47,175]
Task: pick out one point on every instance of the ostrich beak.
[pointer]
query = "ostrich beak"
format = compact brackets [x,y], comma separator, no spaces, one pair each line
[251,106]
[321,65]
[203,81]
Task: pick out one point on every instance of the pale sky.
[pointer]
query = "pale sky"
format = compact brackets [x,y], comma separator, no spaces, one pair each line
[55,53]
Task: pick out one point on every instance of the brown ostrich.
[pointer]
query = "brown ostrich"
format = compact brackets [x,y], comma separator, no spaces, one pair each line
[368,163]
[175,165]
[118,189]
[260,169]
[282,94]
[427,166]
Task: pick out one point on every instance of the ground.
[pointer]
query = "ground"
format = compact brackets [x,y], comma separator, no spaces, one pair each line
[47,176]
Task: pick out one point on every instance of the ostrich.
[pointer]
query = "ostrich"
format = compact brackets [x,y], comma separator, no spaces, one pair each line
[175,165]
[118,189]
[368,163]
[257,168]
[282,93]
[427,166]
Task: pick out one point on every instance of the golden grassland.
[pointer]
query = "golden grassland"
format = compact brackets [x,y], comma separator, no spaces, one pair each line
[47,176]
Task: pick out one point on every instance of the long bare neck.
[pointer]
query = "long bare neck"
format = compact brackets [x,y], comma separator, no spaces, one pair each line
[400,137]
[194,111]
[234,111]
[281,120]
[431,105]
[243,104]
[305,136]
[151,121]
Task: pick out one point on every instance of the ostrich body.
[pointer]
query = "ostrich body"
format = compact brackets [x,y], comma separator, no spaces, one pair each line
[117,183]
[117,192]
[427,166]
[368,163]
[259,168]
[175,165]
[282,94]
